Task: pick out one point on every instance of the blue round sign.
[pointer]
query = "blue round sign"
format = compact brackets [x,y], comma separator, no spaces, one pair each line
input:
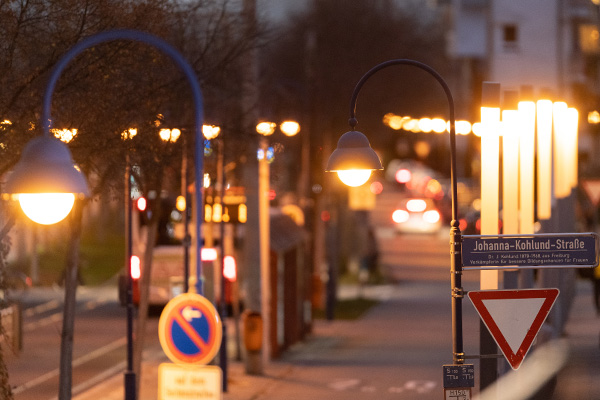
[190,329]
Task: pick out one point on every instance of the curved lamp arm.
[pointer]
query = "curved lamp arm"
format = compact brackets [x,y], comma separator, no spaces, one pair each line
[455,234]
[126,34]
[402,61]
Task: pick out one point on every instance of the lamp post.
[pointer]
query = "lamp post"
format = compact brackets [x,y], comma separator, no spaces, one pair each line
[354,152]
[212,132]
[265,129]
[46,166]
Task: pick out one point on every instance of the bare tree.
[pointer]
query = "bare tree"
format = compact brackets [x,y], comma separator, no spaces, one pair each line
[112,87]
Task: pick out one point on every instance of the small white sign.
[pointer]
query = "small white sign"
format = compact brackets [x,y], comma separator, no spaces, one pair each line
[457,394]
[184,382]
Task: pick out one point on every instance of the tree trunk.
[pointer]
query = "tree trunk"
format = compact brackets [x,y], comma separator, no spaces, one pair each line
[66,344]
[145,280]
[5,389]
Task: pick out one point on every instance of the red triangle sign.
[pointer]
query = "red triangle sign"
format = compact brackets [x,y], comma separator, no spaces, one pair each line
[514,317]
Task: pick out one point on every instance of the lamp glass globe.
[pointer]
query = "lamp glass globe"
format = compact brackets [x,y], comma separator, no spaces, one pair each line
[354,177]
[46,208]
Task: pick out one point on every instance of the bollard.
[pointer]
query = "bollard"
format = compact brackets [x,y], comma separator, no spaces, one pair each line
[253,330]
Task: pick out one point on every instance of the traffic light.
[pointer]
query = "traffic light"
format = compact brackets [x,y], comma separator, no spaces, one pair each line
[135,272]
[142,205]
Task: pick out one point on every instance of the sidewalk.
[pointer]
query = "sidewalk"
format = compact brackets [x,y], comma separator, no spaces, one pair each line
[301,370]
[241,386]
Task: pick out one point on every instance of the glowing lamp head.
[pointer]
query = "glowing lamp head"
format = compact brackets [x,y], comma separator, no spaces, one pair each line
[289,128]
[354,159]
[354,177]
[46,208]
[46,181]
[266,128]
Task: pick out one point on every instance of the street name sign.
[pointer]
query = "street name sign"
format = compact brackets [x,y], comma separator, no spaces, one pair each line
[184,382]
[190,330]
[566,250]
[514,317]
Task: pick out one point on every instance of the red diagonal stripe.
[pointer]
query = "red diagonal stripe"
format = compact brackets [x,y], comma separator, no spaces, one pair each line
[191,332]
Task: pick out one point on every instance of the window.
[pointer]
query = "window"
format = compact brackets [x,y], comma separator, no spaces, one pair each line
[510,37]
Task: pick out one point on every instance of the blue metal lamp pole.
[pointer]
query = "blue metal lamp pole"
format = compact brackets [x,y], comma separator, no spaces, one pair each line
[130,384]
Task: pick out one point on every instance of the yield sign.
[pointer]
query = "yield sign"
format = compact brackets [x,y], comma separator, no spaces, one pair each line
[514,317]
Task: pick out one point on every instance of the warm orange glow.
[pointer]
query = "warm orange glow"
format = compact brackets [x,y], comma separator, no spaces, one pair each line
[66,135]
[210,131]
[129,133]
[354,177]
[169,135]
[46,208]
[510,170]
[242,213]
[562,187]
[290,128]
[208,254]
[180,203]
[490,169]
[526,166]
[266,128]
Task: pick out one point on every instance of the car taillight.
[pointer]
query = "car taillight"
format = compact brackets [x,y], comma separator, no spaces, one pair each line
[400,216]
[136,270]
[431,216]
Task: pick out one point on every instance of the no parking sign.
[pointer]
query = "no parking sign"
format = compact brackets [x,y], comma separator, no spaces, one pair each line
[190,329]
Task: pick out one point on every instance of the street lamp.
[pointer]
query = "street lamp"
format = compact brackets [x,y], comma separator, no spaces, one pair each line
[353,159]
[355,153]
[46,181]
[265,129]
[46,166]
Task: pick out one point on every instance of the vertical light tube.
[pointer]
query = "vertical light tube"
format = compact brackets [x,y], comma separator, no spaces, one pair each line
[562,187]
[544,159]
[526,166]
[490,170]
[573,150]
[510,163]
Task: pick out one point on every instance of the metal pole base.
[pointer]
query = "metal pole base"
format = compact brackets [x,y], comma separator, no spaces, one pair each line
[130,392]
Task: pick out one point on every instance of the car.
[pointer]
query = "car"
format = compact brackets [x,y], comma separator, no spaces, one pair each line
[417,215]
